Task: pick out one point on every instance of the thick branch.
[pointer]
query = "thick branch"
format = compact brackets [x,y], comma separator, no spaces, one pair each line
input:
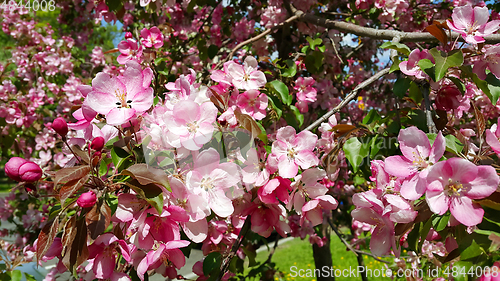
[378,33]
[349,97]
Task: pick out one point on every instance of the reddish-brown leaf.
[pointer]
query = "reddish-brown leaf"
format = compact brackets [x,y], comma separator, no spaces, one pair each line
[98,219]
[77,251]
[146,175]
[247,122]
[436,29]
[118,232]
[218,101]
[68,236]
[342,129]
[72,173]
[112,51]
[46,237]
[480,123]
[71,187]
[82,154]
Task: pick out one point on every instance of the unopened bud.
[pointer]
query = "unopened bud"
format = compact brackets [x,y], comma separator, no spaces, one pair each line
[20,169]
[60,126]
[87,199]
[97,143]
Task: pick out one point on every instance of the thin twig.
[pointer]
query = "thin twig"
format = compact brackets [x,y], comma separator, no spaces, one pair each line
[341,236]
[256,38]
[428,113]
[348,98]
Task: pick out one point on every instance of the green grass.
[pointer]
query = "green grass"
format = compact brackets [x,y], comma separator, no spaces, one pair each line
[298,253]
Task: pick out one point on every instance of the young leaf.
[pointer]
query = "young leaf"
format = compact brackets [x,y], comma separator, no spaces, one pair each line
[71,187]
[282,90]
[446,60]
[211,263]
[355,152]
[437,30]
[402,48]
[401,86]
[146,175]
[72,173]
[46,237]
[428,67]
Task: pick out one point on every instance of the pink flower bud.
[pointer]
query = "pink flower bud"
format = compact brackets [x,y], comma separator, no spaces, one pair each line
[20,169]
[60,126]
[448,98]
[97,143]
[128,35]
[30,172]
[87,199]
[12,167]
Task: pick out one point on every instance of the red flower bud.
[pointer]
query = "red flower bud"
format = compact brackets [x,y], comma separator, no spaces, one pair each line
[128,35]
[87,199]
[20,169]
[97,144]
[60,126]
[448,98]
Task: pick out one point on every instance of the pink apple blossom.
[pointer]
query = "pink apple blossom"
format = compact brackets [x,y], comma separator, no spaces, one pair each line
[490,59]
[305,90]
[193,123]
[253,103]
[245,76]
[418,156]
[454,183]
[313,210]
[165,255]
[122,98]
[291,151]
[411,68]
[130,51]
[472,24]
[212,181]
[275,189]
[152,37]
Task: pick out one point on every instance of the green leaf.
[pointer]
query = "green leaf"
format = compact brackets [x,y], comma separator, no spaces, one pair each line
[402,48]
[460,85]
[439,223]
[263,135]
[212,51]
[415,93]
[472,252]
[298,116]
[114,5]
[375,145]
[17,275]
[211,263]
[118,156]
[355,152]
[453,144]
[413,237]
[282,90]
[446,60]
[493,88]
[423,232]
[428,67]
[395,65]
[291,71]
[314,43]
[276,105]
[371,117]
[401,86]
[322,48]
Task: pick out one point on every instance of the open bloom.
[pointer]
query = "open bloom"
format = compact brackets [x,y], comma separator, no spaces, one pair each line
[193,123]
[246,76]
[473,24]
[253,103]
[418,156]
[493,137]
[454,183]
[121,98]
[490,60]
[130,51]
[152,37]
[293,150]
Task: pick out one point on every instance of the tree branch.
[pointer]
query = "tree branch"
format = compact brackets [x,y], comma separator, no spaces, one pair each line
[378,33]
[349,97]
[256,38]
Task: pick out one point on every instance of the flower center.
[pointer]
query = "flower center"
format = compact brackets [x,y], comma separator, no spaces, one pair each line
[121,96]
[291,153]
[207,183]
[454,189]
[192,127]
